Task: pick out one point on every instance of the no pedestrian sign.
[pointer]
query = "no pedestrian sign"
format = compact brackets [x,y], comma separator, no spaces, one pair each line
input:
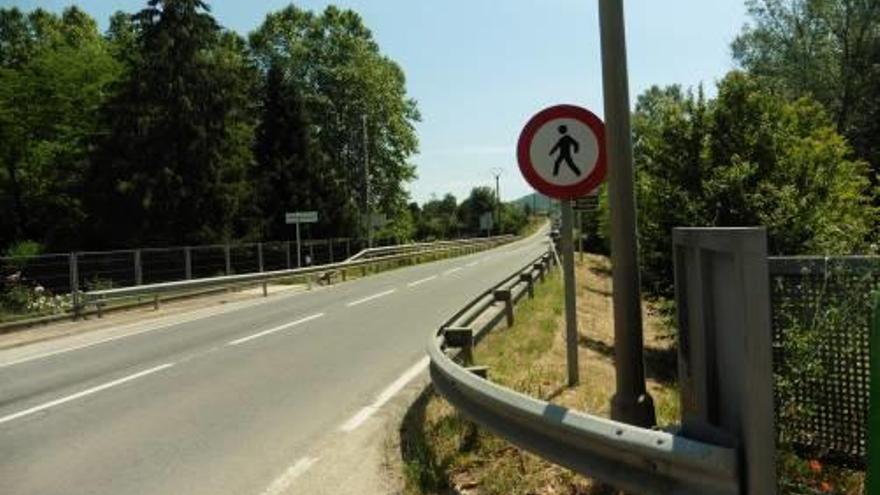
[561,152]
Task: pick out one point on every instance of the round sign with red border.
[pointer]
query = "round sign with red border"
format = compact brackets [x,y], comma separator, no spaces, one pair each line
[561,152]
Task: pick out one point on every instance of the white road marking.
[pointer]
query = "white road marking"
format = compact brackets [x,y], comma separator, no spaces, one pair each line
[472,264]
[283,482]
[273,330]
[358,419]
[451,271]
[79,395]
[194,316]
[370,298]
[422,281]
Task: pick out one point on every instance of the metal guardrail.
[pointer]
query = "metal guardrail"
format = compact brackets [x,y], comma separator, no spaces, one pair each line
[101,297]
[630,458]
[421,246]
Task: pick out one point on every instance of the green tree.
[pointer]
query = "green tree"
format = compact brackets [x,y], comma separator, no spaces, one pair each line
[480,202]
[174,165]
[55,72]
[347,86]
[825,49]
[747,158]
[289,162]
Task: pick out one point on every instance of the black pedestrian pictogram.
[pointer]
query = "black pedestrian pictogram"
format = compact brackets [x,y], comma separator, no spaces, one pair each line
[564,146]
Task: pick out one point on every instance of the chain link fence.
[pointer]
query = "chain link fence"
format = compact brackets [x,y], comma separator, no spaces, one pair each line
[821,328]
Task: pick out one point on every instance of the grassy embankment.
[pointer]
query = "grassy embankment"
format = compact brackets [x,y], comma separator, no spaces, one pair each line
[443,453]
[441,450]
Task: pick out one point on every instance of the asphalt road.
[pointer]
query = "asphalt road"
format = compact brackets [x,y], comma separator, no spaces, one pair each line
[232,401]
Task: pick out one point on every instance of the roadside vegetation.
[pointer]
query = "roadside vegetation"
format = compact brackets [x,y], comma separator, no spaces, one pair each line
[443,451]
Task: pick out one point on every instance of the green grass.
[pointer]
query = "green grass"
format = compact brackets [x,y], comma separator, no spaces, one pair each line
[442,450]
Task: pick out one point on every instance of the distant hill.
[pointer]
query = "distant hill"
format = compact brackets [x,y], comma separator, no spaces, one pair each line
[537,202]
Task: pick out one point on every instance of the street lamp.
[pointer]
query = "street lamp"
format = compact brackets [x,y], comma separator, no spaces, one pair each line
[496,172]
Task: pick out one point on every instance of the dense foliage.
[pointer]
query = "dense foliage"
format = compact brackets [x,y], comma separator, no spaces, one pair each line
[748,157]
[445,218]
[170,129]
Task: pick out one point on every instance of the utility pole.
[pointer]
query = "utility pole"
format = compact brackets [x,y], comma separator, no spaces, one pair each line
[368,215]
[496,172]
[631,402]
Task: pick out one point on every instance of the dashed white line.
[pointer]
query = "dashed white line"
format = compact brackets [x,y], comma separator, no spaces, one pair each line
[283,482]
[370,298]
[451,271]
[472,264]
[79,395]
[422,281]
[273,330]
[358,419]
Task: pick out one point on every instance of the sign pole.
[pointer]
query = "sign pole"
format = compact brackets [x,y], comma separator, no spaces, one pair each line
[631,402]
[571,332]
[298,248]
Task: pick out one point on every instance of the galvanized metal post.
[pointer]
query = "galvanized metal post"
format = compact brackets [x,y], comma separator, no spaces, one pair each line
[872,483]
[227,254]
[631,402]
[571,332]
[138,268]
[74,284]
[298,248]
[187,262]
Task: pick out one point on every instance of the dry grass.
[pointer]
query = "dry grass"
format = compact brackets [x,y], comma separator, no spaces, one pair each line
[444,453]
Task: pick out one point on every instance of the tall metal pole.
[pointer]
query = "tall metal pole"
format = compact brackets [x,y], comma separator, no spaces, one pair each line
[496,172]
[631,402]
[367,206]
[571,331]
[299,261]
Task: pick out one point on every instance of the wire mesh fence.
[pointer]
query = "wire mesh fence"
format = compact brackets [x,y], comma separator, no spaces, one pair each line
[821,329]
[43,284]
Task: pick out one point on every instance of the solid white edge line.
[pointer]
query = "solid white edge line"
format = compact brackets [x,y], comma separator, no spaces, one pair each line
[283,482]
[358,419]
[273,330]
[451,271]
[78,395]
[370,298]
[422,281]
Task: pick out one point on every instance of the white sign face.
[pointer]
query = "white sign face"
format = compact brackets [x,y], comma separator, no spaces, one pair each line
[561,152]
[487,221]
[301,217]
[564,151]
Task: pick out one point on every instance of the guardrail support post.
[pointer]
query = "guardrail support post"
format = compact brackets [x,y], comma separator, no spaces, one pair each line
[138,268]
[530,283]
[187,263]
[74,285]
[461,338]
[540,268]
[156,302]
[505,296]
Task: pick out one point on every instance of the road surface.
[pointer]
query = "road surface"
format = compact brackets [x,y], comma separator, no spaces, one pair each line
[232,401]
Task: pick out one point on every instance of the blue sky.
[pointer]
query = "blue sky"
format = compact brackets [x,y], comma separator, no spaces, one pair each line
[480,68]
